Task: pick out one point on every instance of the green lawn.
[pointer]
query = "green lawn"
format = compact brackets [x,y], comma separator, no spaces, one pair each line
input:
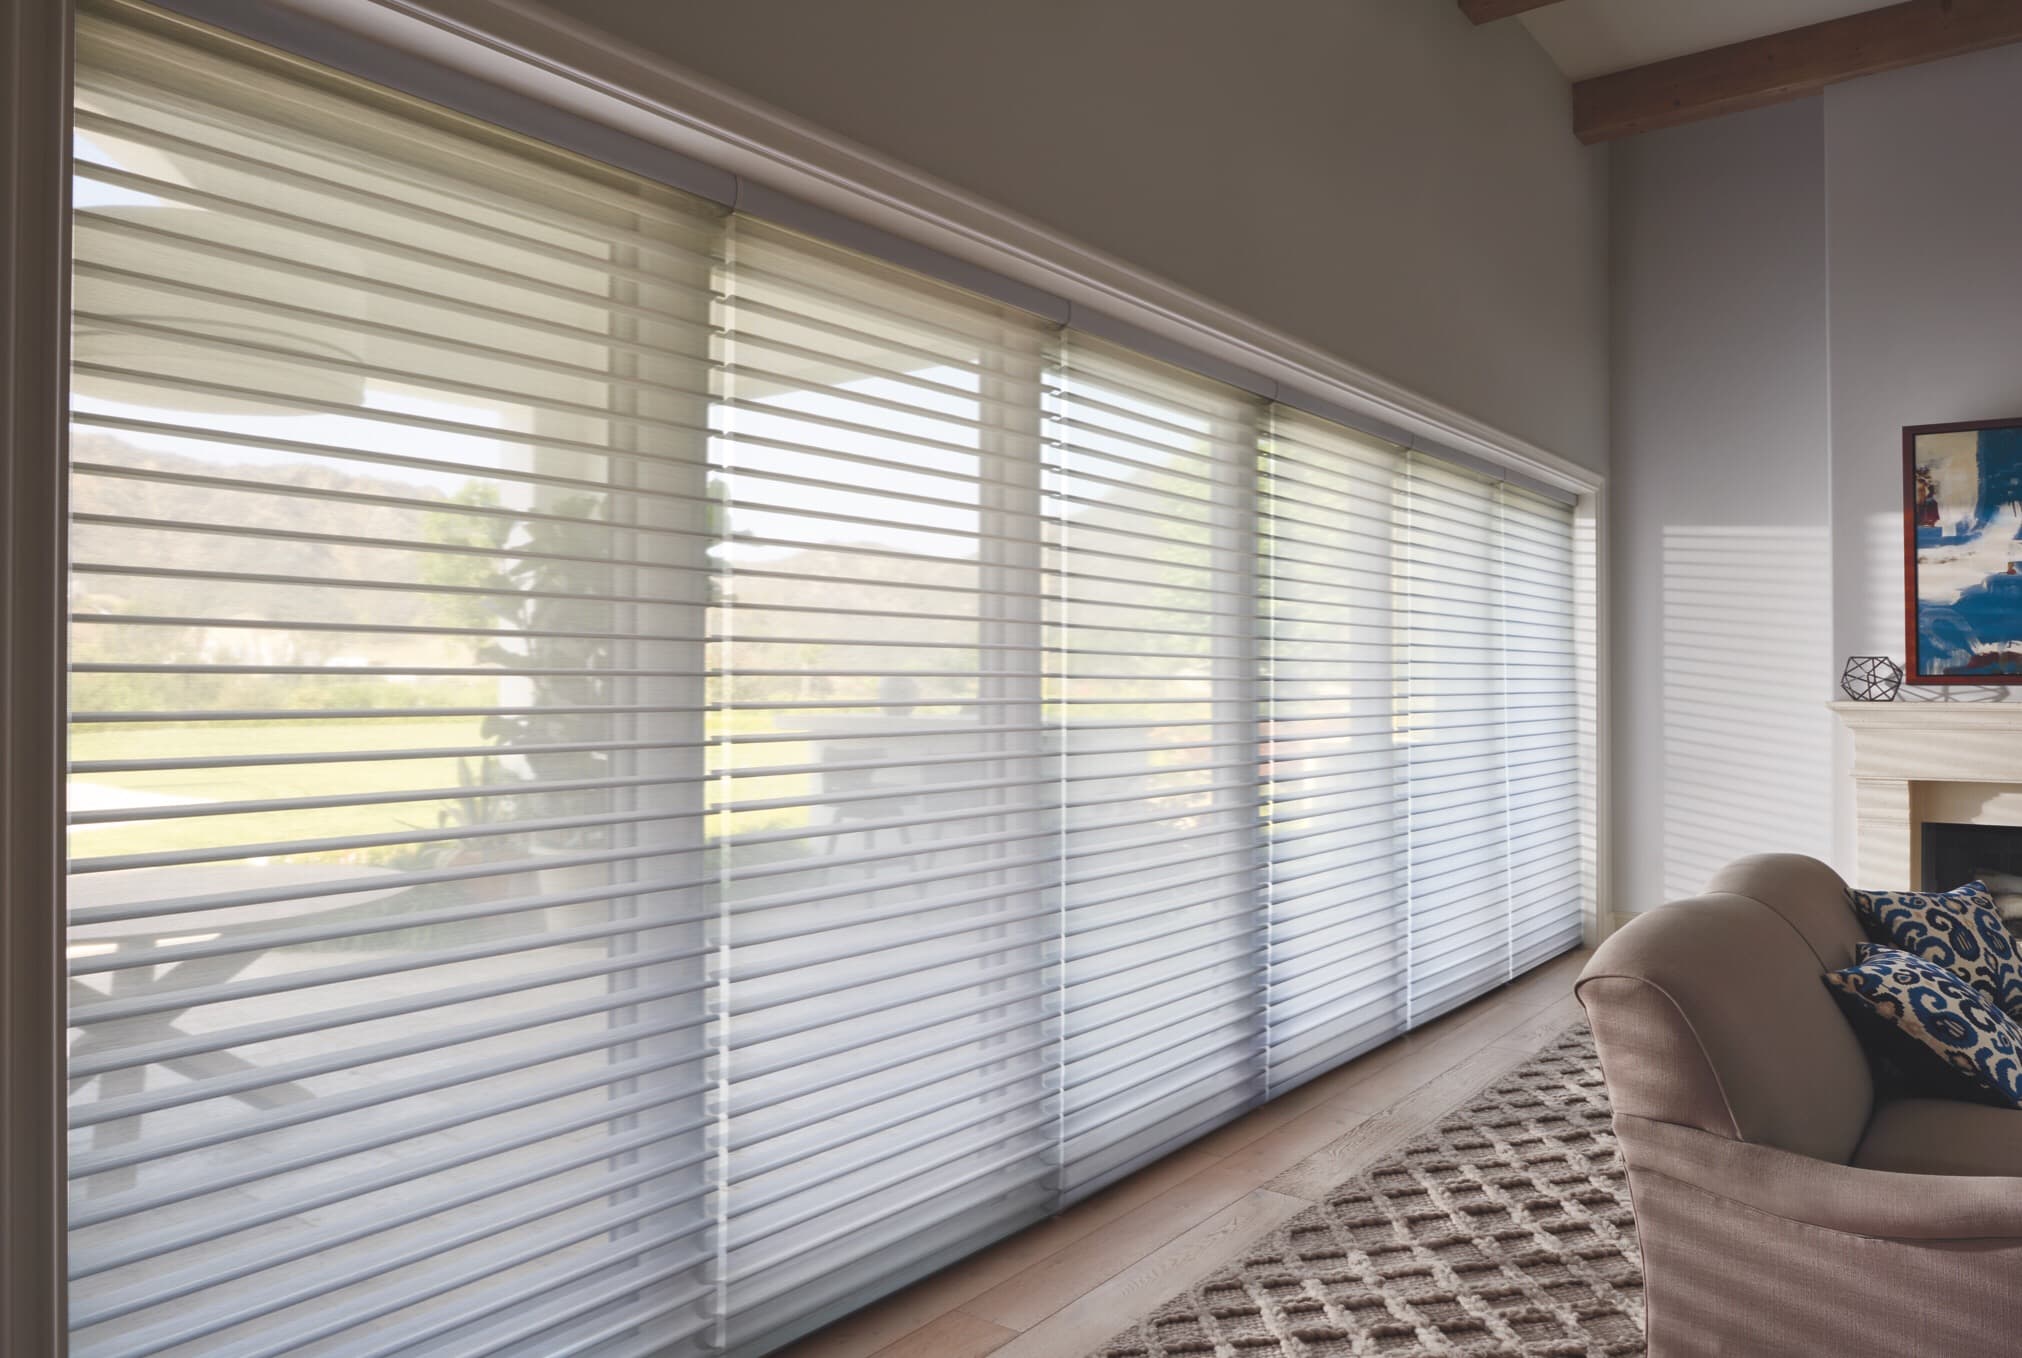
[263,783]
[209,739]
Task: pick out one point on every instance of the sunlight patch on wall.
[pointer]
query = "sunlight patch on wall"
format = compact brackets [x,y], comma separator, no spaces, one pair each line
[1748,670]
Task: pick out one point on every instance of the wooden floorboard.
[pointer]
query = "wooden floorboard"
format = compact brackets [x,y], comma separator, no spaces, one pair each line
[952,1334]
[1061,1287]
[1092,1317]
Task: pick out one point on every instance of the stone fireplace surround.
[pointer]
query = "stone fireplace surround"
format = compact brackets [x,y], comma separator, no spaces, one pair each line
[1957,762]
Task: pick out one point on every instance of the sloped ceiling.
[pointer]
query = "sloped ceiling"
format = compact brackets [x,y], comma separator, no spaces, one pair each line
[1595,37]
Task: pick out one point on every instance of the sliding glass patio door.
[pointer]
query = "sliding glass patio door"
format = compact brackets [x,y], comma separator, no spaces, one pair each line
[639,779]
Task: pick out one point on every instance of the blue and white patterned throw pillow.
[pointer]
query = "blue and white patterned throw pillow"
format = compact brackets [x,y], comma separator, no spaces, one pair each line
[1934,1021]
[1960,930]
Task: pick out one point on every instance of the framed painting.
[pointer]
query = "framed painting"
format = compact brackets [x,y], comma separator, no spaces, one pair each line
[1962,548]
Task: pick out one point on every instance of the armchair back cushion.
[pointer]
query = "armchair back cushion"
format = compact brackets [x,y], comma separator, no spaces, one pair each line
[1811,898]
[1710,1012]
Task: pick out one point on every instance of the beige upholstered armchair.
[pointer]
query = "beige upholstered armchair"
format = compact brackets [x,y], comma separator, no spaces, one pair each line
[1782,1209]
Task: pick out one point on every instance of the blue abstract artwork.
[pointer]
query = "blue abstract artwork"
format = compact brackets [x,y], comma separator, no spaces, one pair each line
[1965,488]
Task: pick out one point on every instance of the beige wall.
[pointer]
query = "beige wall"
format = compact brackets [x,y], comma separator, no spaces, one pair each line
[1376,177]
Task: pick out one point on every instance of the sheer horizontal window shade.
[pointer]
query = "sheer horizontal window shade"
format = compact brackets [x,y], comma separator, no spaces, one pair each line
[1550,691]
[1492,725]
[1456,734]
[1333,750]
[1152,473]
[639,779]
[888,850]
[390,1029]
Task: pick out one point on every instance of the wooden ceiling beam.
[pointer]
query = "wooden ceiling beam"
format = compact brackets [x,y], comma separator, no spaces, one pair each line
[1787,65]
[1488,11]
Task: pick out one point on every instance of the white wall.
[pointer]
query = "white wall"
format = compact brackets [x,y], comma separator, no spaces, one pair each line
[1721,561]
[1792,286]
[1379,178]
[1925,250]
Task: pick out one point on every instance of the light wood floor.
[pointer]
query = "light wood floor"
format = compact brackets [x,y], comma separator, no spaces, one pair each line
[1057,1289]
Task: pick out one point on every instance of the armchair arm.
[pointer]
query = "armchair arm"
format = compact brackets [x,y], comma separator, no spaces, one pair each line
[1864,1202]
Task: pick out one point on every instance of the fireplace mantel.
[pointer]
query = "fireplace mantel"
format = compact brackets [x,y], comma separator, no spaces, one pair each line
[1928,761]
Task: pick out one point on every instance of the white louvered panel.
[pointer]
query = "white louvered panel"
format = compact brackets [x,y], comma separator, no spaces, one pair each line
[1151,542]
[1335,820]
[1455,734]
[890,855]
[390,943]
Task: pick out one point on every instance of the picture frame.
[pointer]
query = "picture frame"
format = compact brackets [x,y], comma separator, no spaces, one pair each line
[1962,552]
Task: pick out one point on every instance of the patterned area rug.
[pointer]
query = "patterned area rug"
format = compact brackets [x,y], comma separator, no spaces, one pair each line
[1506,1230]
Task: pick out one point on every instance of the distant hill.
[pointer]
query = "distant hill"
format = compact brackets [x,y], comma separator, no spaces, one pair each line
[201,504]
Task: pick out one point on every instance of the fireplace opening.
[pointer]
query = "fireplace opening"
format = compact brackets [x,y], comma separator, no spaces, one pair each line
[1957,854]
